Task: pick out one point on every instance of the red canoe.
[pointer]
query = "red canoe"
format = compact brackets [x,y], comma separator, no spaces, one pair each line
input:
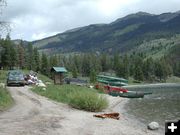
[113,88]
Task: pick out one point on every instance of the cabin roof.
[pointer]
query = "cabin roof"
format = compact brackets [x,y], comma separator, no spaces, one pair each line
[59,69]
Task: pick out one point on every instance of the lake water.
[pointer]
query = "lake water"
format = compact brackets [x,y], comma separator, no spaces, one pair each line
[163,104]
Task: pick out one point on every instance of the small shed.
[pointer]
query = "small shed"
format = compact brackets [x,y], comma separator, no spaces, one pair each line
[58,74]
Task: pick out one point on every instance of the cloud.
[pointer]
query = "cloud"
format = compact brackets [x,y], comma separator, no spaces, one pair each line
[35,19]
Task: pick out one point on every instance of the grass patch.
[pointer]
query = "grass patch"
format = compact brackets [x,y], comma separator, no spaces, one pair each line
[44,78]
[5,99]
[3,76]
[78,97]
[173,79]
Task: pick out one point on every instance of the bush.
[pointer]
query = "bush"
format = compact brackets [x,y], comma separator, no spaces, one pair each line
[87,100]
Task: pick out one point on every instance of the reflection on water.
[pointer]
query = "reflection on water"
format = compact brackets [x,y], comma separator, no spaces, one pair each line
[163,104]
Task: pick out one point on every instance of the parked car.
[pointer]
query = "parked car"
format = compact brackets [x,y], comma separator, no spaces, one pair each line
[15,77]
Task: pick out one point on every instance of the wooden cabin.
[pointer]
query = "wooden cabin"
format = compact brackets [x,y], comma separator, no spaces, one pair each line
[58,74]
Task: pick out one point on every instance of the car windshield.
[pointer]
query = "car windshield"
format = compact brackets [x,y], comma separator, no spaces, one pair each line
[15,74]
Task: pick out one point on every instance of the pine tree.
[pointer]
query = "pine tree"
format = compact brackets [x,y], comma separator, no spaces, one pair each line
[138,74]
[104,62]
[74,72]
[36,59]
[6,54]
[148,69]
[176,69]
[61,61]
[159,70]
[126,67]
[1,50]
[166,68]
[85,65]
[13,57]
[21,56]
[30,61]
[76,64]
[44,64]
[119,70]
[94,63]
[116,61]
[92,76]
[138,68]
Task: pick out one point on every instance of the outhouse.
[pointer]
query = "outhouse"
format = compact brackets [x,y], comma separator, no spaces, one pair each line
[58,74]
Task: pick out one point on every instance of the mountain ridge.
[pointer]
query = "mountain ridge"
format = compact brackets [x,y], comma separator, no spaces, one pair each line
[122,35]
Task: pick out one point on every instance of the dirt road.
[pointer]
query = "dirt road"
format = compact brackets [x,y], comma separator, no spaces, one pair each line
[36,115]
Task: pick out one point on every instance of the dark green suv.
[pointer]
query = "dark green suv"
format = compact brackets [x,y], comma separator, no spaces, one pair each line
[15,77]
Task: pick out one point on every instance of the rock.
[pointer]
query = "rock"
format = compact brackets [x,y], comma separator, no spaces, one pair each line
[41,85]
[39,81]
[91,86]
[153,126]
[48,83]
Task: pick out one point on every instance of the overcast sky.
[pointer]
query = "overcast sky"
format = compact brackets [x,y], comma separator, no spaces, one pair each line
[36,19]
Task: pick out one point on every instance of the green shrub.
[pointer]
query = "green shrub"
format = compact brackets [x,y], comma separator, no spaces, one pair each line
[87,100]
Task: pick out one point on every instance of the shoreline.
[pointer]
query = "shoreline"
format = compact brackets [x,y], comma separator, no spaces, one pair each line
[128,121]
[135,120]
[154,85]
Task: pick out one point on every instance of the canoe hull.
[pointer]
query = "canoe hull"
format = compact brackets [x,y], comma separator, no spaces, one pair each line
[129,94]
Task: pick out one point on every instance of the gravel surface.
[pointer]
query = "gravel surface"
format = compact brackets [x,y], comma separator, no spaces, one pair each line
[36,115]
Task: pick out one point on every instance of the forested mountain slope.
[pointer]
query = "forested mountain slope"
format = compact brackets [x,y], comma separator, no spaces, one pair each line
[126,34]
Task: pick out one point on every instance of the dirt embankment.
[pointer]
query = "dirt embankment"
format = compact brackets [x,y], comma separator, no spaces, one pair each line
[36,115]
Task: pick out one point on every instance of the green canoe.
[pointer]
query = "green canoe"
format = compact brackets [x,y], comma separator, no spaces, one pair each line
[129,94]
[111,83]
